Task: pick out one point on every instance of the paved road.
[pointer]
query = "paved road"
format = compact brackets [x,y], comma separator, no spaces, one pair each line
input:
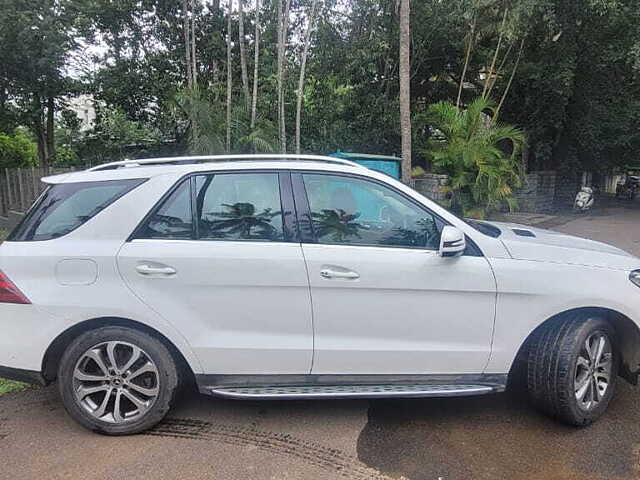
[489,437]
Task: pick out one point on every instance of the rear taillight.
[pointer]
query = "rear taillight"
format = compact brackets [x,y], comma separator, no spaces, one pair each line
[9,293]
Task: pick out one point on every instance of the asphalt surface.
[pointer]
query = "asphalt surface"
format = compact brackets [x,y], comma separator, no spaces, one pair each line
[490,437]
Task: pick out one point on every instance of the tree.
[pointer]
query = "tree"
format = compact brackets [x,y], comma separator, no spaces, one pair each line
[194,63]
[470,41]
[17,150]
[256,63]
[187,43]
[480,156]
[229,76]
[303,64]
[243,55]
[208,128]
[283,27]
[35,43]
[405,88]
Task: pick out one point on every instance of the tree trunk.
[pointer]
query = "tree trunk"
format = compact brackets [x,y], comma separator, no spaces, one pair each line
[187,56]
[254,99]
[472,37]
[506,90]
[41,138]
[405,89]
[303,64]
[229,77]
[283,23]
[243,54]
[500,69]
[194,64]
[487,81]
[50,135]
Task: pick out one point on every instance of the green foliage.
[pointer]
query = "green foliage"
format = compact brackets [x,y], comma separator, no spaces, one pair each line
[417,172]
[66,157]
[576,92]
[115,136]
[17,150]
[481,156]
[204,119]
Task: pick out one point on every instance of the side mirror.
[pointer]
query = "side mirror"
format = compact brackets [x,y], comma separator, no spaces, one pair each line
[452,242]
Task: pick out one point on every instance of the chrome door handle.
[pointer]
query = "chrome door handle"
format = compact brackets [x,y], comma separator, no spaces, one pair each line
[146,269]
[328,273]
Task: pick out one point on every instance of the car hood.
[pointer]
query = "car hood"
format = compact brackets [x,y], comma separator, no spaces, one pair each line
[536,244]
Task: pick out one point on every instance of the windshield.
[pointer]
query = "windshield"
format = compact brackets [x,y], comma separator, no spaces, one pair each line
[483,227]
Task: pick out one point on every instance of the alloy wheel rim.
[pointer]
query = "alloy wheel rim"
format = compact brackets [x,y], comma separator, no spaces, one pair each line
[593,371]
[116,382]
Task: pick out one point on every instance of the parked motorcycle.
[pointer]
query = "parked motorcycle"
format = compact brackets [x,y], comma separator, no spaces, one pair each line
[628,188]
[584,200]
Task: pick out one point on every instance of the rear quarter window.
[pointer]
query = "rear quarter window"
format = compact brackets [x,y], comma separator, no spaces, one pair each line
[64,207]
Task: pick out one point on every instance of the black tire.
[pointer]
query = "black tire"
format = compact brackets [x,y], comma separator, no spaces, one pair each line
[552,367]
[155,350]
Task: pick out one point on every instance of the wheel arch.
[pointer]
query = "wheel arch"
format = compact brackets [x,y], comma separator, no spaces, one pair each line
[627,341]
[56,349]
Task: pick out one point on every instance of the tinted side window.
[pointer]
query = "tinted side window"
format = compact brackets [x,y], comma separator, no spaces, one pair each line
[352,211]
[239,206]
[65,206]
[172,219]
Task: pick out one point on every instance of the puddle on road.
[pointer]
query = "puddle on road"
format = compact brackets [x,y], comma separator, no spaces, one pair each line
[499,436]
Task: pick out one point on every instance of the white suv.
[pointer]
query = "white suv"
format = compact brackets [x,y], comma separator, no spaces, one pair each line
[287,277]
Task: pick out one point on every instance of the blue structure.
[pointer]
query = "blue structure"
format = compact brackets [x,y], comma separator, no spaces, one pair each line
[381,163]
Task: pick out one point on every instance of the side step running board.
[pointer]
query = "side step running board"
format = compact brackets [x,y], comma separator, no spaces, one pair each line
[351,391]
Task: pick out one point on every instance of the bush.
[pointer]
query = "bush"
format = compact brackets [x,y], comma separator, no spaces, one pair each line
[66,157]
[481,157]
[17,150]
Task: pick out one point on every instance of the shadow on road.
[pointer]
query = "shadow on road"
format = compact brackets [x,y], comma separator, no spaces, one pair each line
[499,436]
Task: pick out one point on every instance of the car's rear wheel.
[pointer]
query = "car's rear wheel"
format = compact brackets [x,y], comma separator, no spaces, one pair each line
[117,380]
[573,367]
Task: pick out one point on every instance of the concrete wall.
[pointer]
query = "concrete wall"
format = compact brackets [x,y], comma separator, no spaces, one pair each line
[538,192]
[567,186]
[432,186]
[541,192]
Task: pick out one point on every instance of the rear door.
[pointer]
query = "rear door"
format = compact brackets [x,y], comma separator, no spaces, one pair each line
[218,259]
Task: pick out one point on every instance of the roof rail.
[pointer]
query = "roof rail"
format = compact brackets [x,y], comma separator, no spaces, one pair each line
[221,158]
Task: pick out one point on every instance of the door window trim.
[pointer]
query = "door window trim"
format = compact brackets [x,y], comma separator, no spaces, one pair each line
[289,224]
[303,212]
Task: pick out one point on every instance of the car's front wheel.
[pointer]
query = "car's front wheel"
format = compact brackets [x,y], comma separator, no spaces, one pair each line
[573,367]
[117,380]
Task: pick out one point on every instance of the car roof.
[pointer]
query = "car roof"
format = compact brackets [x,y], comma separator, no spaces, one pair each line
[147,168]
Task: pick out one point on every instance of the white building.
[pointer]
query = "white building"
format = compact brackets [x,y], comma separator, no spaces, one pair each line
[84,107]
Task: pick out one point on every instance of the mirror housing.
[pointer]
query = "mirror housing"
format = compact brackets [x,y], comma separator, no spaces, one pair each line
[452,242]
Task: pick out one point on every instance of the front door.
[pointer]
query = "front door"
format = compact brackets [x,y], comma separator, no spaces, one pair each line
[384,301]
[217,261]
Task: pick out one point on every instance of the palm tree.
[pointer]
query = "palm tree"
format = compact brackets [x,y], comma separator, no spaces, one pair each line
[207,126]
[261,138]
[339,224]
[480,155]
[242,221]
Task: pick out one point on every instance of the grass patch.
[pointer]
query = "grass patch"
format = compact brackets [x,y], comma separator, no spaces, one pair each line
[3,234]
[7,386]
